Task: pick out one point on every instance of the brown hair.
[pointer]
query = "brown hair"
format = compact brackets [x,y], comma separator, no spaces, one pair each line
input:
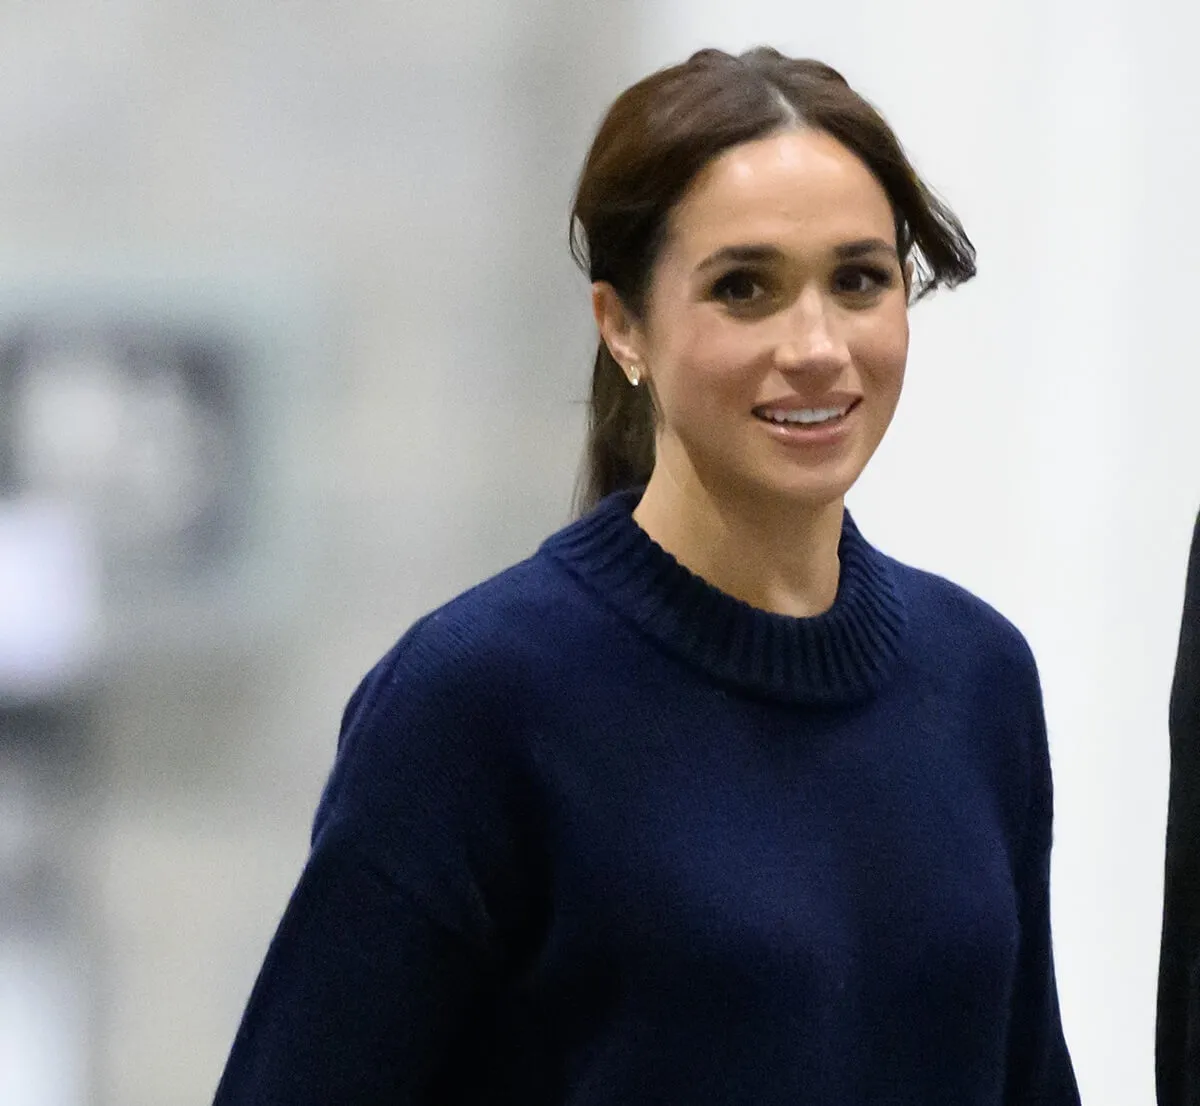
[655,139]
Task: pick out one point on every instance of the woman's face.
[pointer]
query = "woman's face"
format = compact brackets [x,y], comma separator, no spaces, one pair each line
[775,332]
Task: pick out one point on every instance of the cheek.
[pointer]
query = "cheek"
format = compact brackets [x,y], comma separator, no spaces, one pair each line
[714,356]
[882,355]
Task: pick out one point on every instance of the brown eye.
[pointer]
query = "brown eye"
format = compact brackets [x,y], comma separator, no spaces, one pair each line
[739,287]
[862,280]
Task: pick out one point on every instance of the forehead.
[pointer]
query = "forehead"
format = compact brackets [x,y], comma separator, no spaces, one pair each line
[799,190]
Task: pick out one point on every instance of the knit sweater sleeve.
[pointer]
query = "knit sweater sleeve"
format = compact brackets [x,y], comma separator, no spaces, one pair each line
[400,921]
[1039,1070]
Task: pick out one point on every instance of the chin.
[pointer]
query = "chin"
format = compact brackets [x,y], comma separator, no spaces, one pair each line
[813,487]
[810,494]
[788,486]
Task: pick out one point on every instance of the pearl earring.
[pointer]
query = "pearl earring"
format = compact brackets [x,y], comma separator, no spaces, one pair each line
[635,375]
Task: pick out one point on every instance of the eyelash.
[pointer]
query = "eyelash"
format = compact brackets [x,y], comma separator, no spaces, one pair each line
[725,284]
[880,278]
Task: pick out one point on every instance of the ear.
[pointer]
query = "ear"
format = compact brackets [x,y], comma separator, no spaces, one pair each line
[619,328]
[909,269]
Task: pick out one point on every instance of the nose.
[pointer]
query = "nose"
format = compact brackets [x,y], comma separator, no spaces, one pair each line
[811,339]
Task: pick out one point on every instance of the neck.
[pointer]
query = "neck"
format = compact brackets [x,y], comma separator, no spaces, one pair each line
[778,557]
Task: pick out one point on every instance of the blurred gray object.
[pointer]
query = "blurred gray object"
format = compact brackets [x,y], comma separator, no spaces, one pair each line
[156,429]
[158,417]
[48,599]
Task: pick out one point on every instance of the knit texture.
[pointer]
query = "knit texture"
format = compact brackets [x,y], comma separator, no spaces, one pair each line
[598,833]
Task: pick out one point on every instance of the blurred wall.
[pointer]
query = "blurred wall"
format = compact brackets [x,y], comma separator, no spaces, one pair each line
[405,169]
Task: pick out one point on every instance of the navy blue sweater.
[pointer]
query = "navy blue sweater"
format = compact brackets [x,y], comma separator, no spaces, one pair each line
[598,833]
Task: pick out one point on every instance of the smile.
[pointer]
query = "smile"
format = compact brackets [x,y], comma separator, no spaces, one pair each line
[804,416]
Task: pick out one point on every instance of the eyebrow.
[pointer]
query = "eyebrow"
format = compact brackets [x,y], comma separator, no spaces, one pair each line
[760,254]
[864,247]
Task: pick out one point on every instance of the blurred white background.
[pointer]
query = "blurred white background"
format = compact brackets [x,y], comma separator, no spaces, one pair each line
[291,350]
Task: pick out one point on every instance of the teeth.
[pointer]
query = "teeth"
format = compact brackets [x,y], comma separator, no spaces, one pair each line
[807,416]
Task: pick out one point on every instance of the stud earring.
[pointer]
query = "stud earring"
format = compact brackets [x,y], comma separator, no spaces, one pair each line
[635,375]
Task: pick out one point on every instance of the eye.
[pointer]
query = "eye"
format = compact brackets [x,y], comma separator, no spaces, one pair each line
[739,287]
[862,280]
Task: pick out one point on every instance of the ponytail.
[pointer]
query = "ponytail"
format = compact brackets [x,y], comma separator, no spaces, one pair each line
[619,453]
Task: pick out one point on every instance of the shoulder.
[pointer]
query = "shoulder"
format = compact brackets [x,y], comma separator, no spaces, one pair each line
[974,664]
[951,621]
[481,649]
[441,715]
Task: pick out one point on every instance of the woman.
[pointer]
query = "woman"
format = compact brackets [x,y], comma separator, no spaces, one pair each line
[707,802]
[1178,1030]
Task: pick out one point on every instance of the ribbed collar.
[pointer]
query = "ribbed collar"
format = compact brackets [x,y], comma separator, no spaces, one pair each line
[843,655]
